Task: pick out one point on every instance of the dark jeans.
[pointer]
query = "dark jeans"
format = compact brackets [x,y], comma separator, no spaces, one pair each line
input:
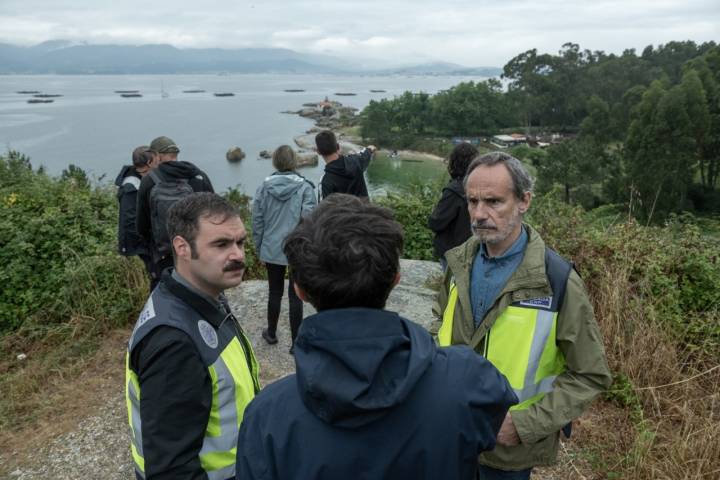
[276,281]
[488,473]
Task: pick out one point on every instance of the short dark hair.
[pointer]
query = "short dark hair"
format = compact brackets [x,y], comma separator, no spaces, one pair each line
[460,158]
[346,253]
[326,143]
[521,180]
[141,156]
[184,216]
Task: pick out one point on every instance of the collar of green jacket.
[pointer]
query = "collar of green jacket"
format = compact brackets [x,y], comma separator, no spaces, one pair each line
[527,281]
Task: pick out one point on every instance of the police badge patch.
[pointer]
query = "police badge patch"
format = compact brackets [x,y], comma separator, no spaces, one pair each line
[542,302]
[208,333]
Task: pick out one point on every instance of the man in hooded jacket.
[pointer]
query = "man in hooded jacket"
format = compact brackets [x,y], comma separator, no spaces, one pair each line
[373,397]
[169,168]
[343,173]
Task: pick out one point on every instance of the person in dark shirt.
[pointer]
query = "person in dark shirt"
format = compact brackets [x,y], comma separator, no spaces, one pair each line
[190,368]
[128,182]
[450,220]
[169,169]
[343,173]
[373,397]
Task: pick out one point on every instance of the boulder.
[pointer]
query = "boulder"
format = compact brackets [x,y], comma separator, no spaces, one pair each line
[307,159]
[235,154]
[265,154]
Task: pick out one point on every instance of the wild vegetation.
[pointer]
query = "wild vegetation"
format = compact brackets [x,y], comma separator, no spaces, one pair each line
[622,116]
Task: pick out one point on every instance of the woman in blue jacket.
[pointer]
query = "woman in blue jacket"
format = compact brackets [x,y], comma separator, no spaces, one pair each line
[279,203]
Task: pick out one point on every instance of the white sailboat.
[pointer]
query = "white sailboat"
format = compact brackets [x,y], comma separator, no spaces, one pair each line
[163,93]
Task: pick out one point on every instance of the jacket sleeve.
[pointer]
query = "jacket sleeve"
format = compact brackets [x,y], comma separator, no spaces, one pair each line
[309,202]
[176,396]
[142,219]
[258,224]
[587,373]
[488,394]
[444,213]
[364,158]
[253,462]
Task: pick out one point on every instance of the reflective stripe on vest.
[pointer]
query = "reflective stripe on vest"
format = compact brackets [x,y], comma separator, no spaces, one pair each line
[520,344]
[233,387]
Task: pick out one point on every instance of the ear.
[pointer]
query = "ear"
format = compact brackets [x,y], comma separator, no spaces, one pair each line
[397,279]
[181,247]
[300,293]
[525,202]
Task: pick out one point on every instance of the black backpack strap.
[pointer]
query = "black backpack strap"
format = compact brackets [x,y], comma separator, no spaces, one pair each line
[155,175]
[558,271]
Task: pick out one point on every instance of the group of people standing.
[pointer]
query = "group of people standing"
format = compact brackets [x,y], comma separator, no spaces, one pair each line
[517,357]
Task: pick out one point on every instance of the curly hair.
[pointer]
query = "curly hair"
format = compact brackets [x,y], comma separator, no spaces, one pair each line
[346,253]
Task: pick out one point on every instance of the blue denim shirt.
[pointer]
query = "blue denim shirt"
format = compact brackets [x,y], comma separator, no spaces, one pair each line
[490,274]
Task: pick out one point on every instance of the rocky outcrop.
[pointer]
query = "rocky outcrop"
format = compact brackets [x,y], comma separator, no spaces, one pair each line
[235,154]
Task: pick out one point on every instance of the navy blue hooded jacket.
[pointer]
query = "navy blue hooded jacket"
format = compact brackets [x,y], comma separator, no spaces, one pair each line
[373,398]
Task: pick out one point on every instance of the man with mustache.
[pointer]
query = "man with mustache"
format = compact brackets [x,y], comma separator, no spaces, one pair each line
[524,308]
[190,368]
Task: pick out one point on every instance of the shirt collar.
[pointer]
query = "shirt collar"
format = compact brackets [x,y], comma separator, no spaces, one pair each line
[217,302]
[515,249]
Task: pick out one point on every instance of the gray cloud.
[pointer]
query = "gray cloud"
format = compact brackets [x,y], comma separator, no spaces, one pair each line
[468,32]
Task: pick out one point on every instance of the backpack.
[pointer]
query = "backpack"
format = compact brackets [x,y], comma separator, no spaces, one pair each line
[163,195]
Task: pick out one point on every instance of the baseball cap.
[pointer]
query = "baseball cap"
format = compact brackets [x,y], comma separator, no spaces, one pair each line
[163,145]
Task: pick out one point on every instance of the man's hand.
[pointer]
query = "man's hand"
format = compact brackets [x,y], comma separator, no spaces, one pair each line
[508,435]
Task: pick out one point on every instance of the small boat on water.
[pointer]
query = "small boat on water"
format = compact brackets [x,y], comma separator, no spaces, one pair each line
[345,94]
[378,91]
[40,100]
[131,95]
[28,92]
[47,95]
[127,91]
[294,90]
[224,94]
[194,91]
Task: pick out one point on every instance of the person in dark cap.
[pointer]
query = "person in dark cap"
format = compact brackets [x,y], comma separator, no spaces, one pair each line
[172,180]
[128,182]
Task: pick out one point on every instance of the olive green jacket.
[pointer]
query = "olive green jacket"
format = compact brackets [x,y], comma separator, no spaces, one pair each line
[577,336]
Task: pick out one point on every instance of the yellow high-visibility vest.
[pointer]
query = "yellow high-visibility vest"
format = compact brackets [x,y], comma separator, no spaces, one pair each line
[521,343]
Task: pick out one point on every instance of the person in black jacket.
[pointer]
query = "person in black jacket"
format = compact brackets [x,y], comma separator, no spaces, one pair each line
[373,396]
[190,368]
[169,168]
[128,182]
[343,173]
[450,219]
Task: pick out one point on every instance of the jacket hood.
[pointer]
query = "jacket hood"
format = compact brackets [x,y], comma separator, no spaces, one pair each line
[342,167]
[283,185]
[353,365]
[456,186]
[124,172]
[179,169]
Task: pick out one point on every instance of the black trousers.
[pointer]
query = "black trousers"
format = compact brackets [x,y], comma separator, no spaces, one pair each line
[276,281]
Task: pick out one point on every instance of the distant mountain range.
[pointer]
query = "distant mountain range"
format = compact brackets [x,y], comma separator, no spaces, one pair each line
[64,57]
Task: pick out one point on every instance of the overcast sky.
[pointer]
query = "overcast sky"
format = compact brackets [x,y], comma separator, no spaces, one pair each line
[468,32]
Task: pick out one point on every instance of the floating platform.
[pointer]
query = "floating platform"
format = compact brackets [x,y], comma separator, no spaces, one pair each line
[194,91]
[346,94]
[127,91]
[131,95]
[28,92]
[378,91]
[40,100]
[47,95]
[224,94]
[293,90]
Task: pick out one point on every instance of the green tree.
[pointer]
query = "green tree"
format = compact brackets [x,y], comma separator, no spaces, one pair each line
[660,151]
